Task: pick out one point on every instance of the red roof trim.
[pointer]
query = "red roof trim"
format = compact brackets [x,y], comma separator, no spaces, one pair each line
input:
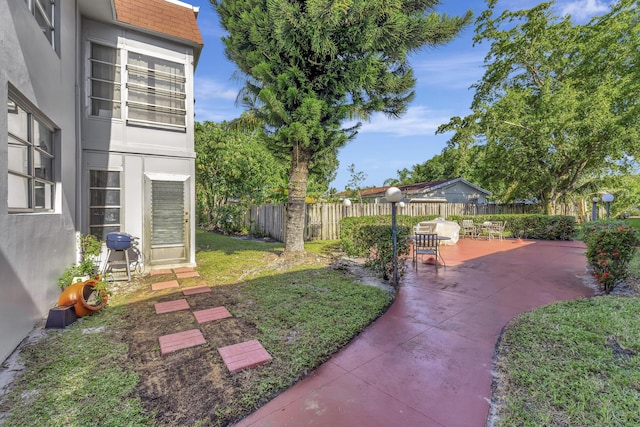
[160,16]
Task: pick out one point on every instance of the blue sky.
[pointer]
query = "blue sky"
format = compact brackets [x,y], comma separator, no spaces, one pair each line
[382,146]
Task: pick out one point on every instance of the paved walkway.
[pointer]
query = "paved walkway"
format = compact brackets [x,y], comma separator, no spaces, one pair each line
[428,360]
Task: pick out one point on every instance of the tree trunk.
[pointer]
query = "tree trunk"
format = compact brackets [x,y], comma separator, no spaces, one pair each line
[546,202]
[294,227]
[552,206]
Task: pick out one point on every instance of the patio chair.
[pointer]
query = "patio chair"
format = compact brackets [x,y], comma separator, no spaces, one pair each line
[468,227]
[496,229]
[426,244]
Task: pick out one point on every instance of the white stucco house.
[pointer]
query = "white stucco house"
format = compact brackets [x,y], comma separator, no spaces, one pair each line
[97,137]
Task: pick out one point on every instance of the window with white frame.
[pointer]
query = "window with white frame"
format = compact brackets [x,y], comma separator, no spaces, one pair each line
[30,159]
[44,12]
[155,91]
[105,77]
[104,202]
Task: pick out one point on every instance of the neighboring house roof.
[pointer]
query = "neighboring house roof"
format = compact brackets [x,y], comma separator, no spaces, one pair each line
[417,188]
[370,191]
[425,187]
[165,17]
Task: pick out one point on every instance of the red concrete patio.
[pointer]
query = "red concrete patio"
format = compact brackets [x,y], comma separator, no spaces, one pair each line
[428,360]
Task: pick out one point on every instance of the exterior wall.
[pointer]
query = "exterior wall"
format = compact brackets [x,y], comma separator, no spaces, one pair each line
[107,134]
[138,152]
[36,247]
[135,168]
[456,193]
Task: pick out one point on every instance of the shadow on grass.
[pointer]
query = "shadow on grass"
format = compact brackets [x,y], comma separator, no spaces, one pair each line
[112,360]
[230,245]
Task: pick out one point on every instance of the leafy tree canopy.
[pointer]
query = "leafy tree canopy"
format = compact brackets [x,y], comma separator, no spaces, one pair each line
[354,185]
[558,104]
[450,163]
[235,167]
[311,65]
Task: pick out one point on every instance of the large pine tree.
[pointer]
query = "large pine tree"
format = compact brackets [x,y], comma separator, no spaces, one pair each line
[311,65]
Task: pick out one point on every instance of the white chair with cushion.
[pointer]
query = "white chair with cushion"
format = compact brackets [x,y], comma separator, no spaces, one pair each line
[426,244]
[424,228]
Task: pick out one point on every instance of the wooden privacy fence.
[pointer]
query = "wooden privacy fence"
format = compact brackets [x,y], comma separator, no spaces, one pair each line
[322,220]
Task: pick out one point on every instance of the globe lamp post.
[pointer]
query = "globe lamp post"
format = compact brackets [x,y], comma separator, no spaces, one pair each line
[394,195]
[347,204]
[608,198]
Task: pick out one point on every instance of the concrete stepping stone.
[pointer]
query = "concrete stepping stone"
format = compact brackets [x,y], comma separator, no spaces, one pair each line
[180,340]
[183,270]
[210,314]
[245,355]
[194,290]
[160,272]
[187,274]
[171,306]
[165,285]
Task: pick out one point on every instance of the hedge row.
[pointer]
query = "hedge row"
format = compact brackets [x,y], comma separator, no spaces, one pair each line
[539,227]
[371,237]
[355,236]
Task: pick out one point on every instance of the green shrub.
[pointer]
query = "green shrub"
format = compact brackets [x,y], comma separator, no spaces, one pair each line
[229,219]
[526,226]
[351,232]
[90,247]
[352,235]
[611,244]
[371,237]
[380,241]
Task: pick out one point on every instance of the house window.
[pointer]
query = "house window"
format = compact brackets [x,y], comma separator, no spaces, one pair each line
[155,91]
[105,81]
[44,12]
[30,159]
[104,203]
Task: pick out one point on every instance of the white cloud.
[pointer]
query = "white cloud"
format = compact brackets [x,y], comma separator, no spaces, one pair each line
[582,10]
[215,101]
[451,71]
[206,88]
[417,120]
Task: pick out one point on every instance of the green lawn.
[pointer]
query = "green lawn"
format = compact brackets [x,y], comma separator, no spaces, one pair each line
[301,311]
[566,364]
[573,363]
[634,222]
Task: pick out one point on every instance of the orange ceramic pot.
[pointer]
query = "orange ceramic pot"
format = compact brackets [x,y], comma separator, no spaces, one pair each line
[77,294]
